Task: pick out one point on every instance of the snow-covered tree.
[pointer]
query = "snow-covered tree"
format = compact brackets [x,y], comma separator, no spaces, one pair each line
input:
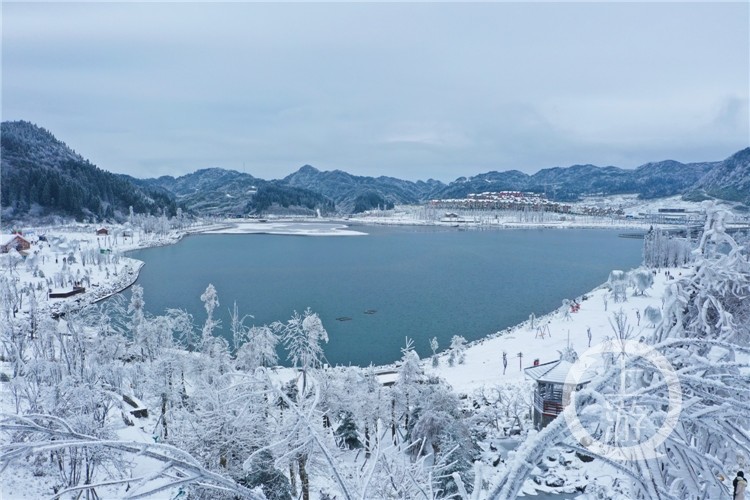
[183,327]
[652,315]
[54,436]
[661,249]
[683,421]
[210,301]
[617,284]
[434,347]
[237,327]
[642,280]
[438,429]
[263,473]
[259,349]
[302,336]
[503,407]
[346,432]
[409,374]
[457,350]
[223,422]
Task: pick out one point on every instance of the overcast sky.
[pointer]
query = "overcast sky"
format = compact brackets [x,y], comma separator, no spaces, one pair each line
[409,90]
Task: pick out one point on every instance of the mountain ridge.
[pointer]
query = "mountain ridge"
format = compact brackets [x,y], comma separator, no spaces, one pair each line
[40,177]
[35,164]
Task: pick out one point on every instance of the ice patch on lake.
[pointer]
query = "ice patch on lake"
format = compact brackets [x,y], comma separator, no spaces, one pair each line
[288,228]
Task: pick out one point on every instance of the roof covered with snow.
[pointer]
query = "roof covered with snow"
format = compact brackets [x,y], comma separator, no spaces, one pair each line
[7,238]
[554,372]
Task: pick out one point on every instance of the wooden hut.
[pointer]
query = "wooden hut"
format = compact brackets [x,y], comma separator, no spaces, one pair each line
[551,394]
[102,231]
[13,241]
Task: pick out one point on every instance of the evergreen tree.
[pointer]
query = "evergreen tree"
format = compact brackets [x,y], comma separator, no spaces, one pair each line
[346,433]
[263,473]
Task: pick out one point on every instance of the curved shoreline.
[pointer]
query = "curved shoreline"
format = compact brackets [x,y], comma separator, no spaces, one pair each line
[134,271]
[485,330]
[131,272]
[132,268]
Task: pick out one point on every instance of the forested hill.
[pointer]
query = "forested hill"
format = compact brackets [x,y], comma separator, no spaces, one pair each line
[652,180]
[41,176]
[727,180]
[354,193]
[217,191]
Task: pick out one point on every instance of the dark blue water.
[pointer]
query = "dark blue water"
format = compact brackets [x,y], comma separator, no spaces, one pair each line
[422,283]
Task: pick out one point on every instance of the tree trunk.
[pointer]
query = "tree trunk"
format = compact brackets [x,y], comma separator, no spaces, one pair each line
[293,480]
[393,421]
[367,441]
[303,478]
[164,414]
[406,413]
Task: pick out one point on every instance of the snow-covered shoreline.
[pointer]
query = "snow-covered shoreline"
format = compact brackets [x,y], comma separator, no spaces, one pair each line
[483,376]
[559,328]
[111,284]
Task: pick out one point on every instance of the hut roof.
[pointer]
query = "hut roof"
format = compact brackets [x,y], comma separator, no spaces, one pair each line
[555,372]
[9,238]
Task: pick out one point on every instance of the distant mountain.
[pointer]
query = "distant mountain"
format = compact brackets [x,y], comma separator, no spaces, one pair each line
[210,190]
[510,180]
[216,191]
[727,180]
[668,178]
[352,192]
[652,180]
[40,176]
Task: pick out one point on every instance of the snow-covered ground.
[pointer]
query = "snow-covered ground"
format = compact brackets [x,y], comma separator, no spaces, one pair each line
[74,255]
[483,373]
[484,367]
[99,261]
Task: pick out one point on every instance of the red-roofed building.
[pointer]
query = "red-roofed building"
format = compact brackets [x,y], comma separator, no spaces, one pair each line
[15,241]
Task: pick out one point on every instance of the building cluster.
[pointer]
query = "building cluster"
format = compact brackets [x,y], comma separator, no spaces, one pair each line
[679,216]
[599,211]
[502,200]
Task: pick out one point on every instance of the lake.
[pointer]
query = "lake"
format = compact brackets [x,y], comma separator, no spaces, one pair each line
[396,282]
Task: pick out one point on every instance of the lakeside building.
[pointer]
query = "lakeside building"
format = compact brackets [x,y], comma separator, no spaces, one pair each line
[13,241]
[675,216]
[551,393]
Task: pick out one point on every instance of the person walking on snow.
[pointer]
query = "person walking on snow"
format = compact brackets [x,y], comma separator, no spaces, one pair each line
[740,484]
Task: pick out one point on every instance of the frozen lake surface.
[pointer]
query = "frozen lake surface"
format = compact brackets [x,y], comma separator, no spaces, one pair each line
[392,283]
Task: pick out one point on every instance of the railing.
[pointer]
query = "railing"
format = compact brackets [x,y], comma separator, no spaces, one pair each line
[548,406]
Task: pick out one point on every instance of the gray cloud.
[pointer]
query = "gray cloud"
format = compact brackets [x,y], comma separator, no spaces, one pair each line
[410,90]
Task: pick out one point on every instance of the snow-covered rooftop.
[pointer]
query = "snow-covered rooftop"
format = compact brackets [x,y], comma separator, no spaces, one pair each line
[554,372]
[7,238]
